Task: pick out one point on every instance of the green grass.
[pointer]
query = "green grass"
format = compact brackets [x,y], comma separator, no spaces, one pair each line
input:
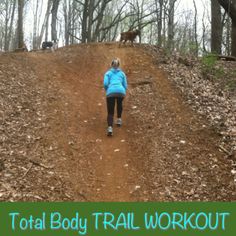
[210,69]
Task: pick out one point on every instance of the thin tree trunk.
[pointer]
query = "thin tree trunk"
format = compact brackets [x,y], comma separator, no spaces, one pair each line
[11,26]
[73,22]
[54,20]
[45,24]
[84,22]
[195,29]
[35,26]
[159,23]
[66,23]
[47,19]
[216,27]
[99,22]
[6,26]
[233,37]
[171,11]
[38,26]
[20,34]
[230,8]
[70,20]
[228,35]
[90,20]
[203,33]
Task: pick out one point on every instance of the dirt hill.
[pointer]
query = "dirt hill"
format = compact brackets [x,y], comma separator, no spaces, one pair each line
[53,132]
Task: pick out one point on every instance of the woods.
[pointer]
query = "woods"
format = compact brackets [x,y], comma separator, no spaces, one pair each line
[209,26]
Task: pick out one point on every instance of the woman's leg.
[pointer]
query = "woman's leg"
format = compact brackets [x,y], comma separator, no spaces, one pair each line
[110,110]
[119,106]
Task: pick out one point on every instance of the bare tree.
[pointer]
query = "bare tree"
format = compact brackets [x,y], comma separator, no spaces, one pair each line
[216,27]
[159,12]
[171,14]
[20,34]
[9,8]
[44,28]
[54,11]
[66,13]
[35,39]
[84,21]
[230,8]
[195,28]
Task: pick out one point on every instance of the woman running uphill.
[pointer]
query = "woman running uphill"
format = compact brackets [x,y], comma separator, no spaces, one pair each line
[115,84]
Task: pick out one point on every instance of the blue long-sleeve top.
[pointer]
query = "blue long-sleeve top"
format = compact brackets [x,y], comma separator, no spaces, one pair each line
[115,82]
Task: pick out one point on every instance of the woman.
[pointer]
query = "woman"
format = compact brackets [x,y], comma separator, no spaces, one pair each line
[115,84]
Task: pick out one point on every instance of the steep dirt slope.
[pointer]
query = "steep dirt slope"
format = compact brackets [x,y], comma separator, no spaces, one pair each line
[164,151]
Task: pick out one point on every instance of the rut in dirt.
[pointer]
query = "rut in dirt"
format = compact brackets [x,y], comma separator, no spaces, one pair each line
[164,151]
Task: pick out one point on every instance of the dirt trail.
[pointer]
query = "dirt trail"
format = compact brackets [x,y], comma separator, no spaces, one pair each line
[99,165]
[124,167]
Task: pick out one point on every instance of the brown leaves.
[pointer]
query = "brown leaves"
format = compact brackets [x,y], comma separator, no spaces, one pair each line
[24,121]
[214,98]
[178,148]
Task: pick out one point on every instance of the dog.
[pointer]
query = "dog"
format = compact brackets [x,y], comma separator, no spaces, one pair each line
[129,36]
[49,44]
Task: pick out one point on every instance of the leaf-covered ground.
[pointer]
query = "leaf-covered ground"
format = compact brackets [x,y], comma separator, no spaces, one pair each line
[176,143]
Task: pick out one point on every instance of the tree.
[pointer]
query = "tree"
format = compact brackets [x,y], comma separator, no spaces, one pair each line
[159,12]
[20,34]
[8,9]
[195,29]
[54,11]
[44,28]
[84,21]
[35,37]
[92,20]
[230,8]
[171,14]
[216,27]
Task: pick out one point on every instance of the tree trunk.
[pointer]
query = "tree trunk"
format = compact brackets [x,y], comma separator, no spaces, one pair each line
[195,29]
[20,35]
[90,20]
[230,8]
[47,19]
[45,23]
[171,12]
[233,37]
[66,23]
[164,25]
[35,40]
[159,23]
[159,14]
[6,25]
[84,22]
[11,26]
[99,21]
[73,21]
[54,20]
[216,27]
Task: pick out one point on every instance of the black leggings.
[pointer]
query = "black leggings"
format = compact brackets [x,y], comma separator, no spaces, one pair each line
[111,108]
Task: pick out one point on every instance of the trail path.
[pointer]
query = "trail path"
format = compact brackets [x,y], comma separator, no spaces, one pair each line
[164,151]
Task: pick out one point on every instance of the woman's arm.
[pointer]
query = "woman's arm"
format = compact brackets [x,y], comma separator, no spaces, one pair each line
[124,82]
[106,80]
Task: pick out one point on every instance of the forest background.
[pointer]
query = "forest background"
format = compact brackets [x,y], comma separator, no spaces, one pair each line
[195,27]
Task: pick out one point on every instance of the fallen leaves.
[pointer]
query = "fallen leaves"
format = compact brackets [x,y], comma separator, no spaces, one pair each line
[26,170]
[178,147]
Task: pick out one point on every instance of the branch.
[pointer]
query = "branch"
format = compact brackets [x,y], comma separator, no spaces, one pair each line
[80,2]
[74,36]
